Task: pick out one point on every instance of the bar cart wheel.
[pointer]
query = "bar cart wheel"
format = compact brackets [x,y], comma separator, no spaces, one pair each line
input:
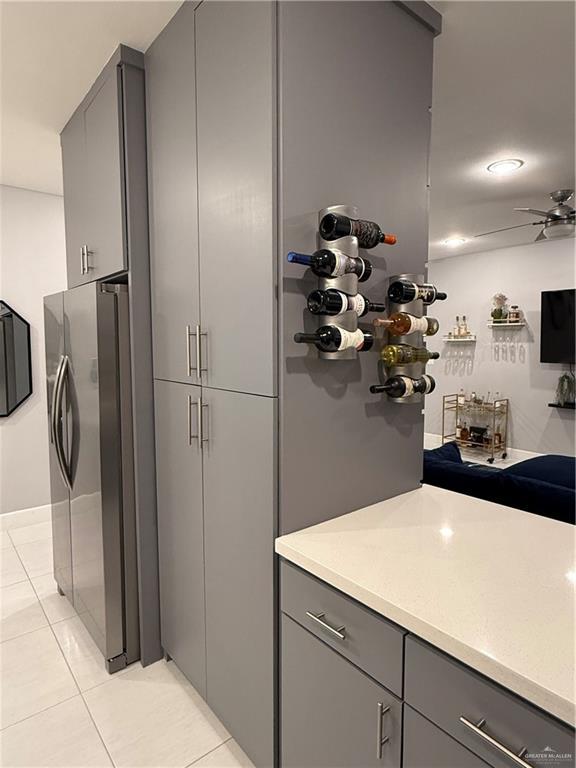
[60,591]
[504,455]
[491,460]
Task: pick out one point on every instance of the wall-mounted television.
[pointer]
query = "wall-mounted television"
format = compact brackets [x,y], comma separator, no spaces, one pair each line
[557,327]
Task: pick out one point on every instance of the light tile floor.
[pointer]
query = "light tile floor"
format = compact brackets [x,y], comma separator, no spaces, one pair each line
[60,708]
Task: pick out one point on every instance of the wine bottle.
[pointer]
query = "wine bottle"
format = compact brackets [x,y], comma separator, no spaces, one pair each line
[333,263]
[403,292]
[402,323]
[369,234]
[332,302]
[404,386]
[332,338]
[404,354]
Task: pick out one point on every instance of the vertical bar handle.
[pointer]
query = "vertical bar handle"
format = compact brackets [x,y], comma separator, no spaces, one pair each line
[82,255]
[189,368]
[202,438]
[191,436]
[380,738]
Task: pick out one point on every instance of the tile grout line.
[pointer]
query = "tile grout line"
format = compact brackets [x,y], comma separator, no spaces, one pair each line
[40,711]
[209,752]
[96,727]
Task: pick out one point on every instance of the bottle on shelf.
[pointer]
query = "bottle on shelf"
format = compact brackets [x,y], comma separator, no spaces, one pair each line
[404,386]
[369,234]
[333,263]
[461,397]
[403,292]
[463,330]
[488,436]
[456,329]
[402,324]
[464,433]
[332,338]
[404,354]
[458,431]
[333,302]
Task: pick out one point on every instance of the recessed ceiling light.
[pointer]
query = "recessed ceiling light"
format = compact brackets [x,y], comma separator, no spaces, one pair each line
[504,167]
[454,242]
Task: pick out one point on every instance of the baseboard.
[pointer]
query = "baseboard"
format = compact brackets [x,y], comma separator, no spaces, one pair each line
[22,517]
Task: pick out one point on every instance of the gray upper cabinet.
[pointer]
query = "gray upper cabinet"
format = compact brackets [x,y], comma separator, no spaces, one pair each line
[171,97]
[96,154]
[235,60]
[333,715]
[239,529]
[180,534]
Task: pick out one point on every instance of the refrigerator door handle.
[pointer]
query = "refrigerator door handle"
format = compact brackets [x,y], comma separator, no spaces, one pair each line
[53,421]
[56,415]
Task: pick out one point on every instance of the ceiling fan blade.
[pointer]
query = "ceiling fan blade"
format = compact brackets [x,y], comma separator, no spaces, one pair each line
[535,211]
[505,229]
[541,236]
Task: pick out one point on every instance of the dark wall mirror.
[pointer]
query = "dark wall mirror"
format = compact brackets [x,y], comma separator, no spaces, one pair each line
[15,360]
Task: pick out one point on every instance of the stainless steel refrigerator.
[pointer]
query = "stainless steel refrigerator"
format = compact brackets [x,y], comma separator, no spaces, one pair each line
[92,463]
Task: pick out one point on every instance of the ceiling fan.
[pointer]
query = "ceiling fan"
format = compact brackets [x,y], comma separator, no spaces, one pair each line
[558,221]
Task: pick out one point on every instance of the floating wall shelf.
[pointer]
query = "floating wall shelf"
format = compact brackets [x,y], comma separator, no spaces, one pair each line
[521,324]
[470,339]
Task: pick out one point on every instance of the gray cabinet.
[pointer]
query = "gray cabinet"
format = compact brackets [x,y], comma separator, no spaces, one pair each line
[333,714]
[171,98]
[235,61]
[239,520]
[100,150]
[180,527]
[426,746]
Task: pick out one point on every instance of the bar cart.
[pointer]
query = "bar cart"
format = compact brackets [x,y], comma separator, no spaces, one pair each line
[476,425]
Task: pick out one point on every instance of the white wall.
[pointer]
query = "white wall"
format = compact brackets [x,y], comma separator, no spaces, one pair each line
[32,265]
[504,361]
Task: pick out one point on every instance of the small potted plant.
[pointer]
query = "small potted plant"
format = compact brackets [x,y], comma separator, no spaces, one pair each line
[500,309]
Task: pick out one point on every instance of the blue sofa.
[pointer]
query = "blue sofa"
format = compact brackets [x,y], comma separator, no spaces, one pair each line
[544,485]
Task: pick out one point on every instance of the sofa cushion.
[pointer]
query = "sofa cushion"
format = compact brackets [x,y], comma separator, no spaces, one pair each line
[557,470]
[446,452]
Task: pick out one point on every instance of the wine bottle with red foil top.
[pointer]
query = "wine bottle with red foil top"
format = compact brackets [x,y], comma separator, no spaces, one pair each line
[333,302]
[332,338]
[403,323]
[404,291]
[333,263]
[369,235]
[400,387]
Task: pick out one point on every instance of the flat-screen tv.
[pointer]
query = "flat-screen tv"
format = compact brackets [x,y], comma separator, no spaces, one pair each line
[557,327]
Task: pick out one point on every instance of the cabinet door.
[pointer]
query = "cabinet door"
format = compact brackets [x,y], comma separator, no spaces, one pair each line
[239,525]
[75,190]
[171,102]
[104,233]
[235,62]
[426,746]
[332,714]
[180,529]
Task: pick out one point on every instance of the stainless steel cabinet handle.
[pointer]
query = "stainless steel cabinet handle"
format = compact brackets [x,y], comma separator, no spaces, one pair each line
[202,438]
[190,435]
[199,342]
[189,368]
[199,416]
[339,632]
[82,267]
[477,729]
[380,738]
[87,266]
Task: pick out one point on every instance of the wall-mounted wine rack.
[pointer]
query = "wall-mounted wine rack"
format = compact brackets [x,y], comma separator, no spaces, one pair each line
[348,284]
[414,370]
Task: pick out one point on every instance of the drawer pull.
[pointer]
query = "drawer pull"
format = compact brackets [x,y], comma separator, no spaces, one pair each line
[477,729]
[338,632]
[380,738]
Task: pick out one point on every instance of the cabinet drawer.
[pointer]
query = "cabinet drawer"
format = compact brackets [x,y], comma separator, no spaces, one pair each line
[445,691]
[332,714]
[372,643]
[426,746]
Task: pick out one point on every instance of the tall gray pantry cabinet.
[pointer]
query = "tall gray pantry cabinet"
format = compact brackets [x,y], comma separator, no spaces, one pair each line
[259,115]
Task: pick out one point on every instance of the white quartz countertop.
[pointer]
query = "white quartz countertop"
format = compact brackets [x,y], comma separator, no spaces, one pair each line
[490,585]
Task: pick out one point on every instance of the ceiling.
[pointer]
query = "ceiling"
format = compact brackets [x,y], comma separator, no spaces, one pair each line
[503,88]
[51,53]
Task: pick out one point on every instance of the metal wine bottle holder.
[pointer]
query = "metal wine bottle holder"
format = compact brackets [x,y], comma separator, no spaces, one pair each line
[348,284]
[414,370]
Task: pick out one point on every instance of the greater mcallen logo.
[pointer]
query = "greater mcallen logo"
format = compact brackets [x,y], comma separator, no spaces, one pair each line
[549,756]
